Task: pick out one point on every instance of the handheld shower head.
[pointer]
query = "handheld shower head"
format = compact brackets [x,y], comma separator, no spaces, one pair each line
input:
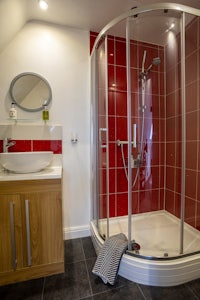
[155,62]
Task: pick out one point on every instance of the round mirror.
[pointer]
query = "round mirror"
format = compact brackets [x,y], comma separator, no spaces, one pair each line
[30,91]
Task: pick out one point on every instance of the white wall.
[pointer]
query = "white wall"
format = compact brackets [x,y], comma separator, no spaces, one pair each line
[61,55]
[11,11]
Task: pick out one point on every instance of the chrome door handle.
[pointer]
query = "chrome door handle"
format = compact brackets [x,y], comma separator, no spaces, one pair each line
[100,137]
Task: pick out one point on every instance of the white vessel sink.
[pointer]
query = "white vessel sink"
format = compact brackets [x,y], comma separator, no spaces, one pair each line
[26,162]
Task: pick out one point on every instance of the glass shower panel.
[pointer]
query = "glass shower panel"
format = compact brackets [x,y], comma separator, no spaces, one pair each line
[114,196]
[102,138]
[155,90]
[192,165]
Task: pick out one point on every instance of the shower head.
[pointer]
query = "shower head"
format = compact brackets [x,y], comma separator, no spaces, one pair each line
[155,62]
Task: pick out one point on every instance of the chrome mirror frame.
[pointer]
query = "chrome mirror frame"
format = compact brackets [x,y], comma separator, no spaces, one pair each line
[47,99]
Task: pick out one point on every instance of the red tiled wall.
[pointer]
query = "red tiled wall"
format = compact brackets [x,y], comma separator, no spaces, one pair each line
[173,127]
[35,145]
[148,192]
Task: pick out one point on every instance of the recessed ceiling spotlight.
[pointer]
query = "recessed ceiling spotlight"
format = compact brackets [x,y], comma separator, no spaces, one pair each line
[172,26]
[43,4]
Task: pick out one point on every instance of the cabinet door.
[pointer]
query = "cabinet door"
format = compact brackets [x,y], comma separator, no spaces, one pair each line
[10,233]
[44,231]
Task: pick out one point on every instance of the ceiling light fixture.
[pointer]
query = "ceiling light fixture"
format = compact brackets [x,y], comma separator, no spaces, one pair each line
[43,4]
[170,27]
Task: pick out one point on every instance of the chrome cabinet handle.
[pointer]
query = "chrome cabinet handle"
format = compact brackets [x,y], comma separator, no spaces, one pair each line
[28,232]
[12,225]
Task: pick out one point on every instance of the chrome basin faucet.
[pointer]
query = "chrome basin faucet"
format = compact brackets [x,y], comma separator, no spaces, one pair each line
[7,144]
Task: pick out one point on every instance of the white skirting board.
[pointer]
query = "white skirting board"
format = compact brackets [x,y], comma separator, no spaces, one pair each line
[76,232]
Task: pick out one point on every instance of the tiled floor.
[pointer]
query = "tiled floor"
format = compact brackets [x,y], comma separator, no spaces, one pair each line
[78,282]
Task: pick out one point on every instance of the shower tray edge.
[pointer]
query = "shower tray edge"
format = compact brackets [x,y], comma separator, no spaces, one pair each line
[152,272]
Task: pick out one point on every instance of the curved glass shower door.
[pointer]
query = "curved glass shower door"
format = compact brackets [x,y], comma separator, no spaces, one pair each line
[155,54]
[147,133]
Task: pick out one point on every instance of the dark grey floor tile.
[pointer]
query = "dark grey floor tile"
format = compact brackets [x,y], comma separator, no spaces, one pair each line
[181,292]
[73,284]
[27,290]
[128,292]
[88,247]
[73,251]
[195,287]
[97,284]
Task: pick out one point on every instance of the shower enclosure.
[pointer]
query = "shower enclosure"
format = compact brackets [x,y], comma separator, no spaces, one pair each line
[146,135]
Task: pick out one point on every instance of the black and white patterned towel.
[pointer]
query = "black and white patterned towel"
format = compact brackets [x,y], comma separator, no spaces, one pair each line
[108,260]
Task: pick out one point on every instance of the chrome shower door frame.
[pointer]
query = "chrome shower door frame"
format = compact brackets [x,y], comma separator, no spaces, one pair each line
[95,142]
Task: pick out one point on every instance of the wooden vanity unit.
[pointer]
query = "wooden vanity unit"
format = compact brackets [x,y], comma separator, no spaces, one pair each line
[31,234]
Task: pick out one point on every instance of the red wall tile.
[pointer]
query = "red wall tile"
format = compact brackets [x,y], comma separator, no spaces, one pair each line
[148,200]
[170,201]
[48,145]
[121,84]
[111,52]
[190,207]
[122,184]
[121,103]
[35,145]
[122,204]
[21,146]
[112,206]
[120,52]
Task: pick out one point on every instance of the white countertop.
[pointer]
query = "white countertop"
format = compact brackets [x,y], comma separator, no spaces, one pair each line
[48,173]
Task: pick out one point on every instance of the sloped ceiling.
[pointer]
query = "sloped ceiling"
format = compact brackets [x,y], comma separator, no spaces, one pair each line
[13,15]
[89,14]
[83,14]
